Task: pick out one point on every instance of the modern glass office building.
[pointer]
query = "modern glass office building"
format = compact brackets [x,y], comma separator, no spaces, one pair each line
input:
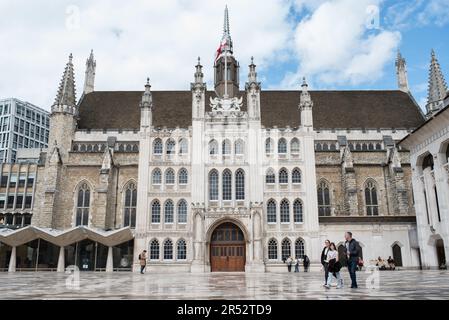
[22,125]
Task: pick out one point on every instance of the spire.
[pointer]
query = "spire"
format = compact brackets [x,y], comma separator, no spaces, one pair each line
[305,100]
[147,97]
[66,92]
[199,76]
[227,31]
[89,80]
[437,86]
[252,76]
[401,72]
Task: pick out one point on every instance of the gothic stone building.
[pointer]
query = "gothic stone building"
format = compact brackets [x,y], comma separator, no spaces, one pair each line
[219,180]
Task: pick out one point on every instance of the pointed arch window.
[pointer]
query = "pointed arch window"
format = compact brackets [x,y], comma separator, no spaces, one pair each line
[169,176]
[168,250]
[372,208]
[183,146]
[157,176]
[271,211]
[239,147]
[324,203]
[286,249]
[294,146]
[269,148]
[227,185]
[130,206]
[182,211]
[299,248]
[226,147]
[168,212]
[296,176]
[240,185]
[183,176]
[155,212]
[272,249]
[297,211]
[154,250]
[181,250]
[283,176]
[285,211]
[157,146]
[282,146]
[213,147]
[83,205]
[213,185]
[171,146]
[270,177]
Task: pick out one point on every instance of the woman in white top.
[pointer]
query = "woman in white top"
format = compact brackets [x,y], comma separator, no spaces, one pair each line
[334,267]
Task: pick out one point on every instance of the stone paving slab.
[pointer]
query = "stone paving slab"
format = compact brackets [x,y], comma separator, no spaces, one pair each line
[403,285]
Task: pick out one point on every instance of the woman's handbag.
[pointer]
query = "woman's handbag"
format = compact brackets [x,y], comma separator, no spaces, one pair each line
[360,262]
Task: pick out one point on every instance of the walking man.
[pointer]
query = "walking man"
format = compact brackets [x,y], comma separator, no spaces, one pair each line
[352,252]
[143,260]
[324,260]
[289,264]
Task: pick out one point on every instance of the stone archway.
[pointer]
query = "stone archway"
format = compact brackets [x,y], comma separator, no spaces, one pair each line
[227,248]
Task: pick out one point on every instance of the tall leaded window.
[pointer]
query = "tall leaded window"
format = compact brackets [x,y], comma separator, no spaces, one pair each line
[183,176]
[283,176]
[324,203]
[154,250]
[157,176]
[155,212]
[299,248]
[239,147]
[372,208]
[213,147]
[239,184]
[182,211]
[157,146]
[285,211]
[294,146]
[168,211]
[270,177]
[181,250]
[169,176]
[271,211]
[269,148]
[171,146]
[296,176]
[83,205]
[226,147]
[297,211]
[213,185]
[272,249]
[282,146]
[168,250]
[130,206]
[227,185]
[286,249]
[183,146]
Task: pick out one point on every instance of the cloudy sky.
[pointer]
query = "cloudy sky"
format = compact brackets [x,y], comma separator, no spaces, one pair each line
[336,44]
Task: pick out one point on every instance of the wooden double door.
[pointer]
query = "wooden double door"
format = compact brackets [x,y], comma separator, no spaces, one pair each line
[227,249]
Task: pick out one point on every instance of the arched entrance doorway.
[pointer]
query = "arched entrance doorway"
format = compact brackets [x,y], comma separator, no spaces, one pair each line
[227,248]
[440,254]
[397,255]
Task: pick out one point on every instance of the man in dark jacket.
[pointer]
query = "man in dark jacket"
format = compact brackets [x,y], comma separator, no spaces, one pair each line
[324,262]
[352,252]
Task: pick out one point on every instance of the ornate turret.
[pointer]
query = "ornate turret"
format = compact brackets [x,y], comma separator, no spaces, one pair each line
[437,87]
[401,72]
[65,100]
[226,84]
[146,107]
[89,80]
[305,106]
[252,88]
[198,88]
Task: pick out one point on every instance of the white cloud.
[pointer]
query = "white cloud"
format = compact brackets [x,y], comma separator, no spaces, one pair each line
[418,13]
[334,46]
[436,11]
[131,40]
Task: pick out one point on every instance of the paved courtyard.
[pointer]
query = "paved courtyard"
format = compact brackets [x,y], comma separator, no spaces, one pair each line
[404,285]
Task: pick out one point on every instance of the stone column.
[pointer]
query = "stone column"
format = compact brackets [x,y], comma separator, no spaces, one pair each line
[198,256]
[12,260]
[110,260]
[61,259]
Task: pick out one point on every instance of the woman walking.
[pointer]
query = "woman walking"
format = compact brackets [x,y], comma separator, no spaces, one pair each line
[334,267]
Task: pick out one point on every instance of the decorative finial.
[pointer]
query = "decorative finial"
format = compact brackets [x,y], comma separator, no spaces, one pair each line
[226,28]
[199,61]
[252,60]
[148,81]
[70,57]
